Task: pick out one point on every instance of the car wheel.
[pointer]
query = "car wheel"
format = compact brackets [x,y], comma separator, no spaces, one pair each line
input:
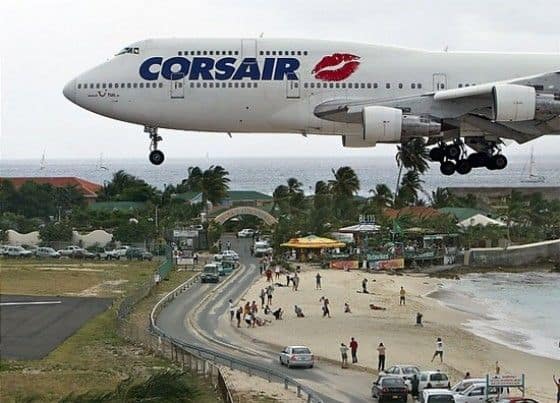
[311,366]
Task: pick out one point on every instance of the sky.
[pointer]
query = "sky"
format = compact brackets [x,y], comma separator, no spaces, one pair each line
[45,43]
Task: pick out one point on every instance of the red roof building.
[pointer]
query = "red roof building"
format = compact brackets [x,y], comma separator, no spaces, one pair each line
[413,211]
[87,188]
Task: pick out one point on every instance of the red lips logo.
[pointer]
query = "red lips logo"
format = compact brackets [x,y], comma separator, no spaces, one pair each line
[336,67]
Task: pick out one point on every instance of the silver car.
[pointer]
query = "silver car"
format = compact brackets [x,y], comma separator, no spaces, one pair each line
[297,356]
[47,252]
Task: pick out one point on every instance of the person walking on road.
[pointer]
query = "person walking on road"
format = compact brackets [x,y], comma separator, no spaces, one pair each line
[318,281]
[238,316]
[277,272]
[268,273]
[354,350]
[402,300]
[269,292]
[381,357]
[231,310]
[262,295]
[344,355]
[439,351]
[288,279]
[295,282]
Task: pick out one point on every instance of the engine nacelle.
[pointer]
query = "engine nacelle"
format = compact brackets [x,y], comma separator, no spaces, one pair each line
[388,125]
[514,103]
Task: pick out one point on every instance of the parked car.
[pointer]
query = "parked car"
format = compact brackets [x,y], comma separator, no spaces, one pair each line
[17,251]
[466,383]
[297,356]
[476,393]
[44,251]
[228,267]
[437,396]
[138,253]
[262,248]
[229,255]
[389,388]
[69,250]
[246,233]
[433,379]
[406,372]
[3,249]
[210,274]
[119,252]
[82,254]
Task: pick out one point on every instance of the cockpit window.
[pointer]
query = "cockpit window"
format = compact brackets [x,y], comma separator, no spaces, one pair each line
[134,51]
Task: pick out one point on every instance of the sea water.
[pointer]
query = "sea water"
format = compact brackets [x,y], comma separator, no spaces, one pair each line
[520,310]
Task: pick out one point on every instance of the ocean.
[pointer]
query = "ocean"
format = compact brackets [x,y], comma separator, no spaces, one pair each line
[264,174]
[519,310]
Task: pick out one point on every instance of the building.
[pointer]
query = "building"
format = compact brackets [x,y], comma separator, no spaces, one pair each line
[418,212]
[120,206]
[245,198]
[85,187]
[496,196]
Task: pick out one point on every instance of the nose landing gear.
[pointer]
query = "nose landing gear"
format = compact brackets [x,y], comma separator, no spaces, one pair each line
[156,156]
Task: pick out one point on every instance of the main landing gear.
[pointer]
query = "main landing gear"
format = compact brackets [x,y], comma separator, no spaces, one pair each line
[156,156]
[453,158]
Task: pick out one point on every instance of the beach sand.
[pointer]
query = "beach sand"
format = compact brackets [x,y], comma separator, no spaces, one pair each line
[395,327]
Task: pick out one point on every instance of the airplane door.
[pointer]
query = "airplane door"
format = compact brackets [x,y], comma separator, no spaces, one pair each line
[248,48]
[177,83]
[292,89]
[440,82]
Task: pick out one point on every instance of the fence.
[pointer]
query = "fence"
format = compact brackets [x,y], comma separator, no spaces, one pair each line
[195,356]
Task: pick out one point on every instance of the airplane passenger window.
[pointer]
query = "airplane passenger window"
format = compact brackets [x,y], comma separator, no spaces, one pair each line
[236,52]
[116,85]
[331,85]
[304,85]
[312,85]
[204,85]
[273,53]
[293,52]
[419,85]
[299,52]
[460,86]
[135,85]
[180,53]
[141,85]
[154,85]
[198,85]
[79,86]
[110,85]
[442,86]
[369,85]
[160,85]
[97,85]
[268,52]
[230,85]
[413,86]
[236,85]
[104,85]
[192,85]
[343,85]
[374,85]
[337,85]
[305,52]
[261,53]
[211,85]
[467,85]
[242,85]
[255,85]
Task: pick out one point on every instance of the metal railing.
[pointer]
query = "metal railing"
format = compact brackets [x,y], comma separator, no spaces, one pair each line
[211,358]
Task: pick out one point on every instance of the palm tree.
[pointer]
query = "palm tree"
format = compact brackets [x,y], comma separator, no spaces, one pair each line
[294,186]
[279,197]
[322,195]
[412,155]
[343,188]
[441,198]
[411,184]
[213,183]
[382,196]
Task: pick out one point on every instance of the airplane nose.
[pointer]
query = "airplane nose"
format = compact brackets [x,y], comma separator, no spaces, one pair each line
[69,91]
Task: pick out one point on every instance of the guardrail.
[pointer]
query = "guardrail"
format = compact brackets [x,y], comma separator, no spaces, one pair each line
[194,355]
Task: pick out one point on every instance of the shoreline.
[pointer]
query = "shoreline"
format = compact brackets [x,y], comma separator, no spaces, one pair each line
[406,343]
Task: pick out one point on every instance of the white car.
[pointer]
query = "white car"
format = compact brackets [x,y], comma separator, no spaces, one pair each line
[466,383]
[229,255]
[17,251]
[476,393]
[262,248]
[406,372]
[246,233]
[119,252]
[47,252]
[433,379]
[297,356]
[70,250]
[437,396]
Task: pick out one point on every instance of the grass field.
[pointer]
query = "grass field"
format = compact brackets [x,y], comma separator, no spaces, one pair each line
[96,357]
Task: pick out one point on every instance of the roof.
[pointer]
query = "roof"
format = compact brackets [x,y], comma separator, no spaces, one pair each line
[461,213]
[239,195]
[117,205]
[87,188]
[414,211]
[480,219]
[313,242]
[361,228]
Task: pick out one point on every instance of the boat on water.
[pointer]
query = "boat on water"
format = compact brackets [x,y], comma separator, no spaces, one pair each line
[529,173]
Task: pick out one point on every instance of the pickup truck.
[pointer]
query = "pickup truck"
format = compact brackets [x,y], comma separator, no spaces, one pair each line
[69,250]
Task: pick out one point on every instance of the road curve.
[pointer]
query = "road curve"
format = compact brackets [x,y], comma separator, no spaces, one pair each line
[330,382]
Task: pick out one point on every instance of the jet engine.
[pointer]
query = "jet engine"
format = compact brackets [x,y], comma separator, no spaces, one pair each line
[514,103]
[389,125]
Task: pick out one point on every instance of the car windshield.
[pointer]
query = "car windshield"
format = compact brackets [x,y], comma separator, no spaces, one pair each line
[441,399]
[301,351]
[410,370]
[209,269]
[391,382]
[131,50]
[438,377]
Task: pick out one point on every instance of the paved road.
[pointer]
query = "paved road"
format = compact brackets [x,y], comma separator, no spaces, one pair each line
[333,384]
[32,326]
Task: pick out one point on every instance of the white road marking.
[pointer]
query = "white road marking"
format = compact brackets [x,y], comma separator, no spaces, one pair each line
[30,303]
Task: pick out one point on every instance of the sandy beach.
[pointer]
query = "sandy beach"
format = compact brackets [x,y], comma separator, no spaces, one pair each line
[395,327]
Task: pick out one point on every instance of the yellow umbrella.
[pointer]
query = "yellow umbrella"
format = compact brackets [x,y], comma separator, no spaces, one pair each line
[313,242]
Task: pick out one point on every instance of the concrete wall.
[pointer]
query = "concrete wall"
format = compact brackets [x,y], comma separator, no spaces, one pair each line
[17,239]
[519,255]
[97,237]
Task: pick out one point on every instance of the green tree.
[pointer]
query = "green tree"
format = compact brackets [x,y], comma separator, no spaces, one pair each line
[126,187]
[343,188]
[411,185]
[441,198]
[280,198]
[132,231]
[56,231]
[213,183]
[382,196]
[411,155]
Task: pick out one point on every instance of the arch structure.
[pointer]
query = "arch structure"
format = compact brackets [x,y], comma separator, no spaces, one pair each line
[268,218]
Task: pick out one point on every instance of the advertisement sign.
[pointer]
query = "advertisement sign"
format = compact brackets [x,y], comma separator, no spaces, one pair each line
[375,256]
[390,264]
[505,380]
[344,264]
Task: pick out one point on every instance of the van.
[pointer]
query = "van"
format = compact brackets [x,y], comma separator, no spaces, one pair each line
[210,274]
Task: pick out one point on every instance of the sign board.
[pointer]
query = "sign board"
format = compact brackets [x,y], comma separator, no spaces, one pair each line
[344,264]
[505,380]
[374,256]
[390,264]
[184,233]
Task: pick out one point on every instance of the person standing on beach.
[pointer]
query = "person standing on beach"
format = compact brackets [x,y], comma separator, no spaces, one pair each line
[364,286]
[381,357]
[326,310]
[557,383]
[354,350]
[268,273]
[277,272]
[262,295]
[402,300]
[439,351]
[231,310]
[344,354]
[318,281]
[238,316]
[269,291]
[295,282]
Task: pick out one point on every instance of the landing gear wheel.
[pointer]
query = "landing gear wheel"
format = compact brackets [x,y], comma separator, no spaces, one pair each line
[156,157]
[447,168]
[453,152]
[499,161]
[437,154]
[478,160]
[463,167]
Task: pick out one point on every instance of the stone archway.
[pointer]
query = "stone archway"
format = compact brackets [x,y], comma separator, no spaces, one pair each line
[268,218]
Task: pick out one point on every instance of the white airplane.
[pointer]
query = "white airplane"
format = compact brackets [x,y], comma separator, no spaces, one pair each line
[364,93]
